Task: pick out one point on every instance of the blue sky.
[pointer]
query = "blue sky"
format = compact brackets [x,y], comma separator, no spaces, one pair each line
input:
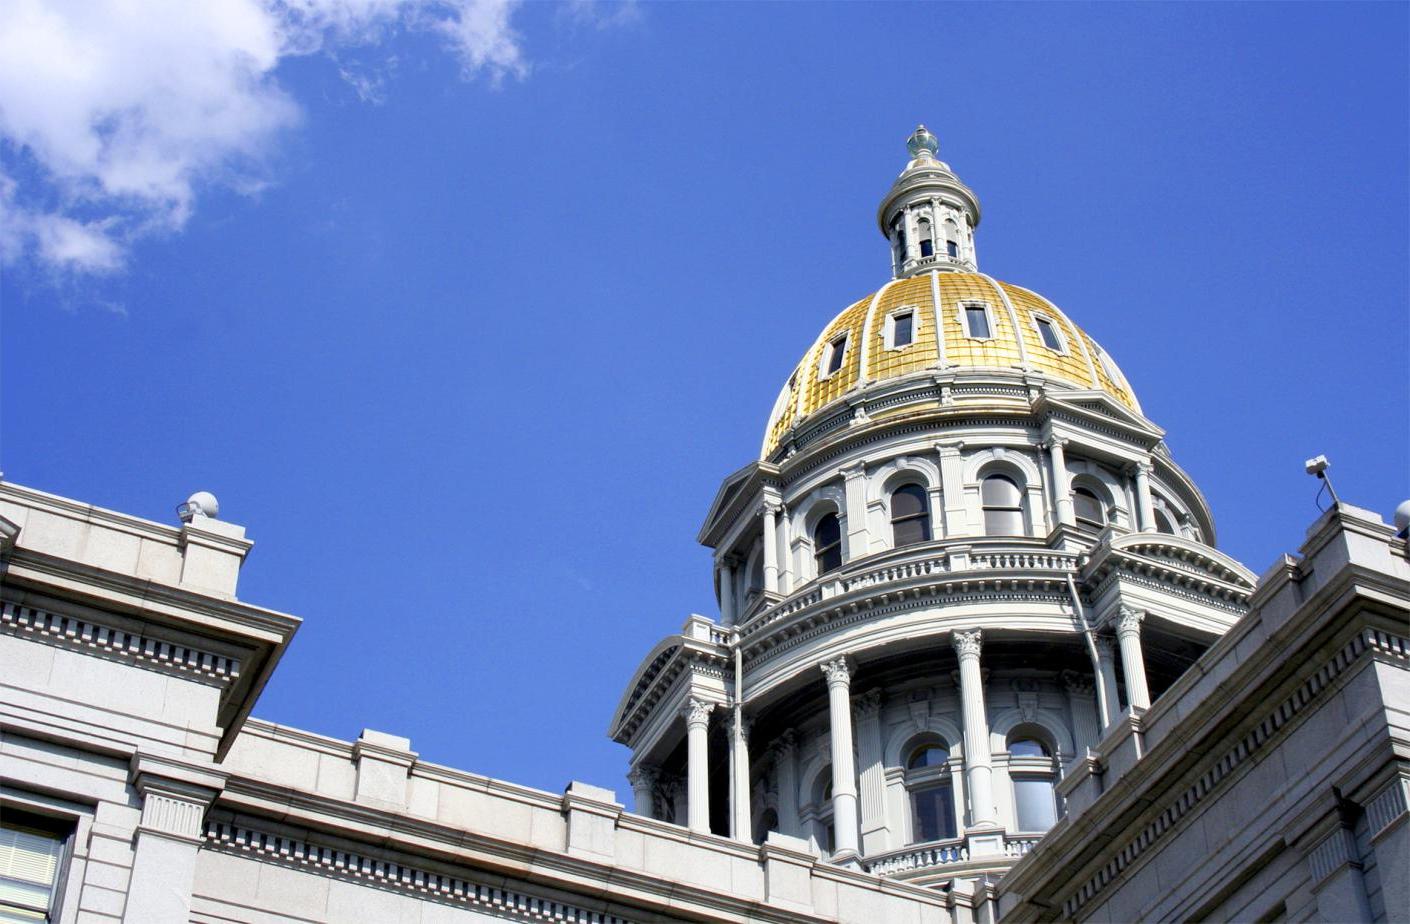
[465,309]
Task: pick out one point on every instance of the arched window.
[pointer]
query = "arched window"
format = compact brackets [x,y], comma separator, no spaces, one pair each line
[910,515]
[932,794]
[1003,506]
[1165,523]
[1033,771]
[1091,512]
[827,544]
[927,238]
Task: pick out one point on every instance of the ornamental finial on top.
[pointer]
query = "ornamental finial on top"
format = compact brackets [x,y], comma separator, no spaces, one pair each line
[922,140]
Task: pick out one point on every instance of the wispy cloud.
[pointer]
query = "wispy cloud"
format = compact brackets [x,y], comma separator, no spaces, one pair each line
[113,114]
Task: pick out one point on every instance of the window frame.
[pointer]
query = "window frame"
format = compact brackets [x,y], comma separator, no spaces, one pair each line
[917,780]
[889,330]
[923,514]
[64,826]
[820,550]
[1084,522]
[1020,507]
[963,308]
[1039,320]
[836,349]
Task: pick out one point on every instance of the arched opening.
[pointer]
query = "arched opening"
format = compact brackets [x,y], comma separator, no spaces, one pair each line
[910,515]
[931,792]
[926,236]
[1002,500]
[827,544]
[1033,771]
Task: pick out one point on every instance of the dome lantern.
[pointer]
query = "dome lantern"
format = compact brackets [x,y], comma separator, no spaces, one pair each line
[929,216]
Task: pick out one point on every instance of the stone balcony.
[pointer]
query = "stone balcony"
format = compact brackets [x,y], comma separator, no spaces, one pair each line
[953,856]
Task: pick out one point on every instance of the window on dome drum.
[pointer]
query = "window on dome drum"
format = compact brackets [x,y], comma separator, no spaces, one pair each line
[932,796]
[1028,747]
[827,544]
[1034,805]
[1164,523]
[927,239]
[952,248]
[1003,506]
[1090,511]
[31,850]
[977,320]
[902,329]
[910,515]
[836,350]
[1049,333]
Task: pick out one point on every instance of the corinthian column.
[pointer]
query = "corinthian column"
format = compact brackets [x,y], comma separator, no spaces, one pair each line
[976,731]
[697,728]
[844,773]
[1128,637]
[643,779]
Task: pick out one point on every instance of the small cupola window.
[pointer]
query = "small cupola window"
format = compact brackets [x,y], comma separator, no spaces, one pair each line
[927,238]
[952,248]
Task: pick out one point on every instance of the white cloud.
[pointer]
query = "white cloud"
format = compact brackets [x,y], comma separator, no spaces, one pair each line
[114,113]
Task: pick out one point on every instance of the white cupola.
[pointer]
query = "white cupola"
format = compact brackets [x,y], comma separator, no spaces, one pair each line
[929,216]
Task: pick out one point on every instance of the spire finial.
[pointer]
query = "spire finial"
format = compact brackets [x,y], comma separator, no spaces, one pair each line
[922,140]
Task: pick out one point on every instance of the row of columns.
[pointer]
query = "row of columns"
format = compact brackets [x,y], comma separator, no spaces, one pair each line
[1062,488]
[838,672]
[858,540]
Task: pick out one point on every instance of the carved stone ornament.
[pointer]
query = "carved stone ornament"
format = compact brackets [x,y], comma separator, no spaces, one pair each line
[697,711]
[868,704]
[786,744]
[838,671]
[1076,682]
[967,644]
[1028,706]
[1128,621]
[644,775]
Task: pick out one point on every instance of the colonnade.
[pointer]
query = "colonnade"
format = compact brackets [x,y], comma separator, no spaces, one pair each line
[838,673]
[777,549]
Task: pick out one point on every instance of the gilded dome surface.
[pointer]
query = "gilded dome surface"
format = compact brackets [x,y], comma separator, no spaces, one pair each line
[941,341]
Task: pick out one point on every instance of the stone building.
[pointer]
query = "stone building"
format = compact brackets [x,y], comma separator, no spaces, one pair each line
[977,659]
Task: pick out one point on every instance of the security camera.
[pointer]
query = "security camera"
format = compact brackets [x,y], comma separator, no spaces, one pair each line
[1317,465]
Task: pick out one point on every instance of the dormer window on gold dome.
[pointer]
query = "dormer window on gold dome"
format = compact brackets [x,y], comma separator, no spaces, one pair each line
[900,328]
[978,325]
[1048,332]
[833,356]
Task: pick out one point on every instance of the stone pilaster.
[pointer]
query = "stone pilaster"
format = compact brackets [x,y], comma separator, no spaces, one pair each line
[952,487]
[1082,704]
[871,773]
[786,767]
[728,615]
[770,514]
[858,535]
[1144,506]
[175,798]
[1062,482]
[644,779]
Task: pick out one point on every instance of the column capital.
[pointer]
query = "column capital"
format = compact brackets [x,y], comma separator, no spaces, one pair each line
[856,470]
[868,705]
[1127,621]
[786,744]
[1140,468]
[967,643]
[770,508]
[949,447]
[1077,683]
[643,775]
[696,712]
[838,670]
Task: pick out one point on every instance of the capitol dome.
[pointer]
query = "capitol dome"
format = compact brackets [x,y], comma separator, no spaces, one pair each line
[942,321]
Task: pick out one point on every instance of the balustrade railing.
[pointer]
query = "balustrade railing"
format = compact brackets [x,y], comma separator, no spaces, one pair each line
[923,856]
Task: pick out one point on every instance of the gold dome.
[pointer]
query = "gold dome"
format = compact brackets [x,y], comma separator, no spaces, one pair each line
[1079,362]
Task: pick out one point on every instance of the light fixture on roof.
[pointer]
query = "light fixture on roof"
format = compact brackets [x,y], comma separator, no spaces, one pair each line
[1318,465]
[201,505]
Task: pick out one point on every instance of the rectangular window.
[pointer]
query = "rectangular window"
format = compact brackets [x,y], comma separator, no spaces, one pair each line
[952,248]
[903,329]
[1034,804]
[836,351]
[977,320]
[927,249]
[1049,333]
[934,813]
[30,852]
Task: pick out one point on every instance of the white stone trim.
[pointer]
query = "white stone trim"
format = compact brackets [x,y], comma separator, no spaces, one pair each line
[939,319]
[1013,319]
[1274,721]
[1387,807]
[84,634]
[865,353]
[386,874]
